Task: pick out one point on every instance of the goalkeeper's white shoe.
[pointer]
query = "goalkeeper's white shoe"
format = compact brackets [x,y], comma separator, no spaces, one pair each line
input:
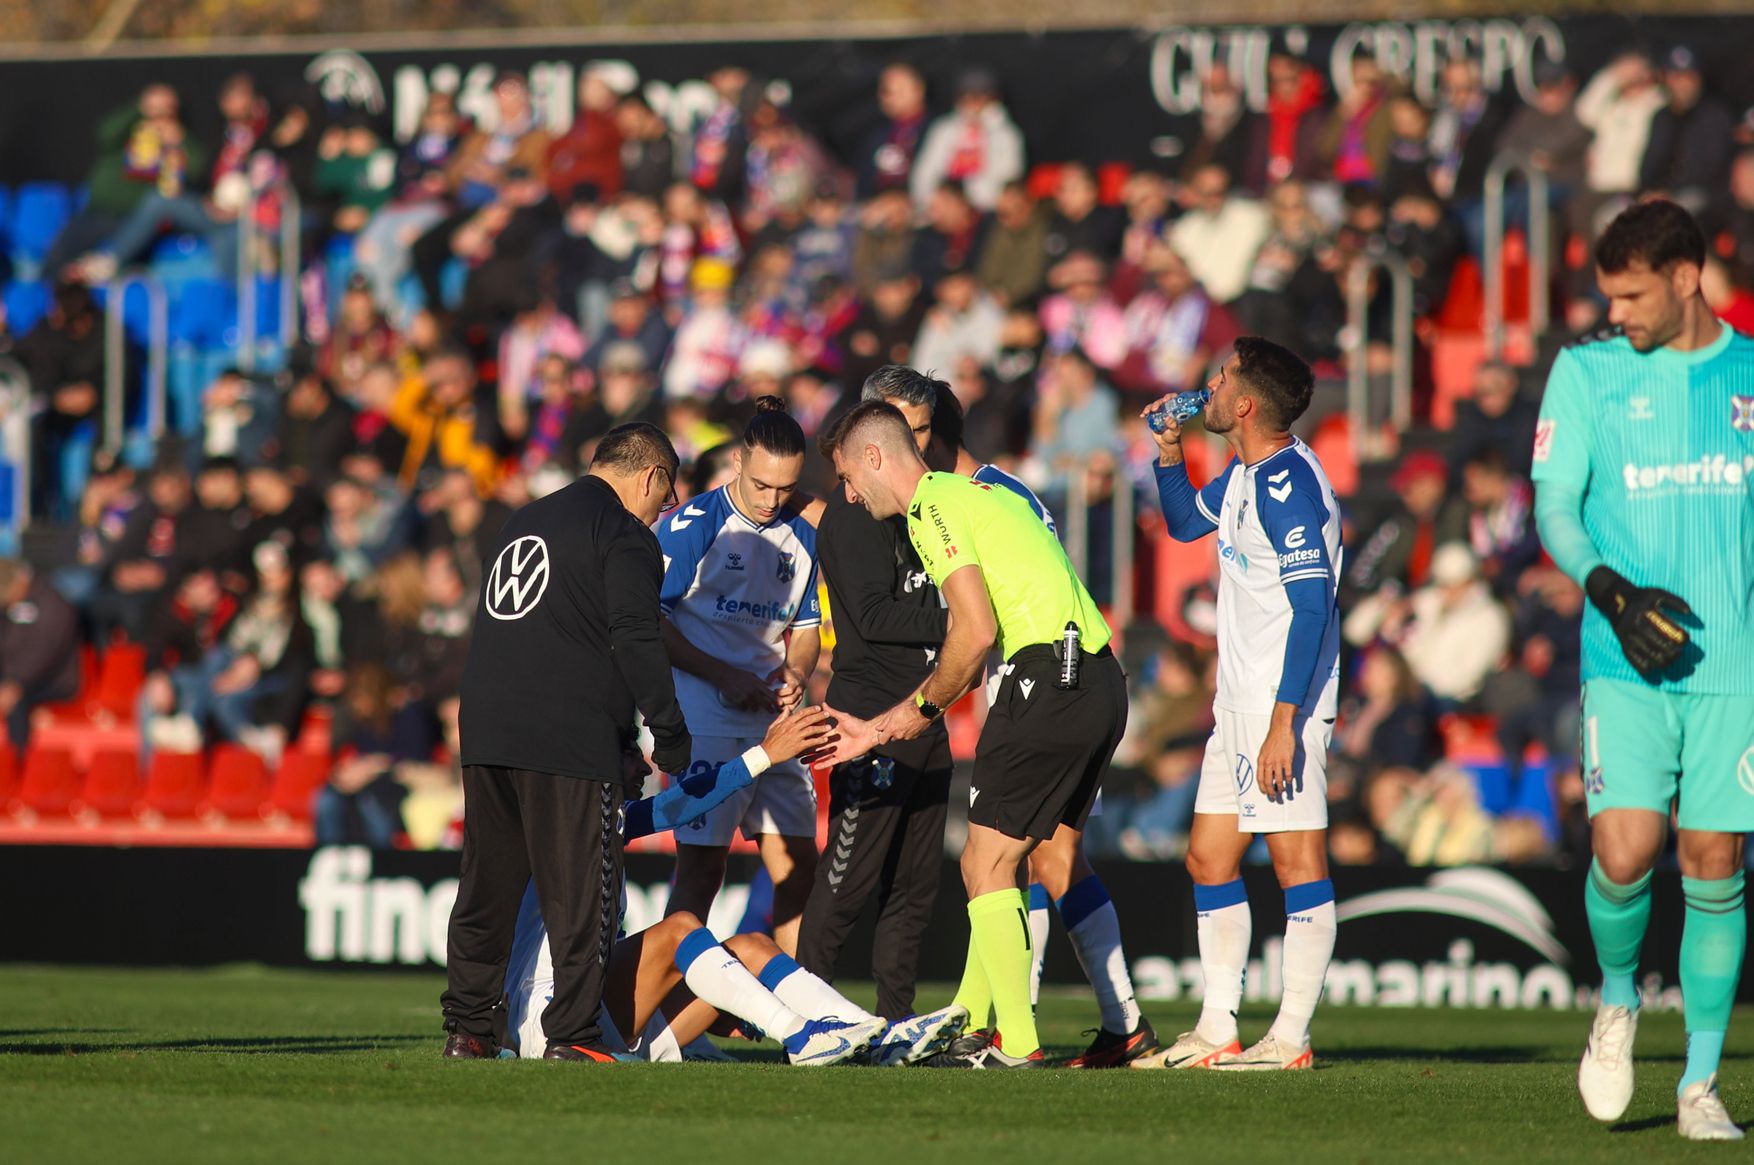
[1604,1079]
[1271,1054]
[1190,1050]
[908,1041]
[1701,1115]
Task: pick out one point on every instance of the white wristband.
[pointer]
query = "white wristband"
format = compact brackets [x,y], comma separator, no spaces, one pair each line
[757,762]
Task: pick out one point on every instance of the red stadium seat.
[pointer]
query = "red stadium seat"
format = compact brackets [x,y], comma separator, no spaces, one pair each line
[119,678]
[175,784]
[1111,179]
[78,709]
[302,773]
[1043,180]
[50,782]
[8,773]
[112,787]
[240,784]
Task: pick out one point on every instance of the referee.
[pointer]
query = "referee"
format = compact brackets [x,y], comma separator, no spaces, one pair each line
[1051,730]
[565,646]
[886,809]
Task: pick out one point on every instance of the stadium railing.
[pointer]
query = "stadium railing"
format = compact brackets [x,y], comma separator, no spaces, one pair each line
[15,454]
[1360,384]
[291,211]
[1540,249]
[116,358]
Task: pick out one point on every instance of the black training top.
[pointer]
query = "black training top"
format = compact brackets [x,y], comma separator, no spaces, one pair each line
[888,622]
[566,642]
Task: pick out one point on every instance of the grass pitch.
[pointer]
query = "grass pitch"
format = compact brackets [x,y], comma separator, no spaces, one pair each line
[244,1064]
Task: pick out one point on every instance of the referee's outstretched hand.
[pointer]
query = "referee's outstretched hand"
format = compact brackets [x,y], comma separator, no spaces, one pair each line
[797,733]
[853,739]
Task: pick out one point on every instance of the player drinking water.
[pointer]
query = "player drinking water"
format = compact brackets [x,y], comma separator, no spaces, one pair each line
[1643,457]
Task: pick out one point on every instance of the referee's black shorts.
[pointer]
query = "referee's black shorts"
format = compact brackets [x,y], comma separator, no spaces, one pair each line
[1043,751]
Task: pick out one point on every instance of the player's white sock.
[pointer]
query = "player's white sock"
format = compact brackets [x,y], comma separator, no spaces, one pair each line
[1224,927]
[715,975]
[807,995]
[1038,936]
[1309,945]
[1095,929]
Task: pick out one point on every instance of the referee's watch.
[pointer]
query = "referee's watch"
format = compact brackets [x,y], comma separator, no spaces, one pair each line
[927,709]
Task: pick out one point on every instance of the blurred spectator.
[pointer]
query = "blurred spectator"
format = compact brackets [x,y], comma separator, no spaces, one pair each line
[501,246]
[1227,129]
[976,144]
[950,238]
[145,560]
[536,333]
[717,156]
[627,391]
[64,357]
[215,216]
[589,152]
[258,679]
[238,417]
[1496,417]
[362,803]
[316,430]
[648,156]
[361,529]
[1296,233]
[1174,330]
[785,168]
[1465,129]
[1167,726]
[1395,556]
[1617,107]
[1353,144]
[1145,197]
[1452,631]
[1074,417]
[1082,314]
[1547,132]
[1220,233]
[883,240]
[487,156]
[887,324]
[142,148]
[460,519]
[1078,221]
[436,412]
[283,512]
[1501,519]
[360,337]
[1687,157]
[1730,293]
[695,228]
[709,338]
[1388,723]
[106,507]
[183,634]
[1286,139]
[962,325]
[1536,701]
[1423,233]
[885,161]
[382,248]
[1409,159]
[823,247]
[39,648]
[1013,256]
[218,528]
[630,320]
[355,171]
[1731,225]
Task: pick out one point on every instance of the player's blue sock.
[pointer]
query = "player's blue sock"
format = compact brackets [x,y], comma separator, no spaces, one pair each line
[1618,916]
[1095,930]
[1038,936]
[1712,944]
[806,994]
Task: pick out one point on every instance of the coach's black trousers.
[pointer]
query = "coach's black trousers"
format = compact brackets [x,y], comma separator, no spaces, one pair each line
[885,835]
[564,832]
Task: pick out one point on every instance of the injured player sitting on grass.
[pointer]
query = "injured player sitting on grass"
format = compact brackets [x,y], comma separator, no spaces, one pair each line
[673,982]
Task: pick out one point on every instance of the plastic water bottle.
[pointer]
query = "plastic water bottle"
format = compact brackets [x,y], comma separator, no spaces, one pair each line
[1069,658]
[1180,407]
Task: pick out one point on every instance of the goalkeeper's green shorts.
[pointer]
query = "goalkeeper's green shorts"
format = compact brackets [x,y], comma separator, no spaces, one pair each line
[1643,748]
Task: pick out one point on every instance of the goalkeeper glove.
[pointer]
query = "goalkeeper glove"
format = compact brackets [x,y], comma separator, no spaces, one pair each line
[1641,618]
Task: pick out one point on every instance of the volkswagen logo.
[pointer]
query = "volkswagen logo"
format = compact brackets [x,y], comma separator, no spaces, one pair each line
[518,578]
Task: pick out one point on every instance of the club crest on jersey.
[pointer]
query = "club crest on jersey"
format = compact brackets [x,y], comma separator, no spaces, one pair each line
[1543,440]
[788,566]
[733,561]
[1742,413]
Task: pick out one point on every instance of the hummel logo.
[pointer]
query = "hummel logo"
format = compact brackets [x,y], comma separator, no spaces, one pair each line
[1280,476]
[686,518]
[973,795]
[1028,686]
[1279,492]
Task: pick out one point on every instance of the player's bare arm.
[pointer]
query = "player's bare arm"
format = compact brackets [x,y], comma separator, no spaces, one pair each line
[740,688]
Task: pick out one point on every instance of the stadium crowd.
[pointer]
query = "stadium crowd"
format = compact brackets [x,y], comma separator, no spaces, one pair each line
[484,301]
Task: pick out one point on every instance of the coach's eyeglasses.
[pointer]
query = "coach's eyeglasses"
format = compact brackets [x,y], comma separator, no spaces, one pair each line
[671,501]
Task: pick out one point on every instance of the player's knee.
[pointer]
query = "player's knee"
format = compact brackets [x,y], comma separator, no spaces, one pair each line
[683,922]
[752,950]
[1623,867]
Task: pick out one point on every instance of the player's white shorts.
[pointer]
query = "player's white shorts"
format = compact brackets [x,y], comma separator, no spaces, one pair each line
[656,1045]
[782,800]
[1227,775]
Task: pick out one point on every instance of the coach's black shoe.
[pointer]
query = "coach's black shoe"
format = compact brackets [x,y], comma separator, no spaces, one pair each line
[580,1052]
[989,1057]
[969,1043]
[1111,1050]
[463,1046]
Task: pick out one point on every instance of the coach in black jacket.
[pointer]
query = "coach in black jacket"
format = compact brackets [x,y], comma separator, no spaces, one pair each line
[565,646]
[886,811]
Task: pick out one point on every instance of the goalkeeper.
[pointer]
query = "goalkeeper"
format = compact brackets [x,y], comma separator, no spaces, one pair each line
[1643,458]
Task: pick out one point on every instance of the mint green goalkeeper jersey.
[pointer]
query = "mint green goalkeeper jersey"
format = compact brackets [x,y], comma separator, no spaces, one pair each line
[1661,444]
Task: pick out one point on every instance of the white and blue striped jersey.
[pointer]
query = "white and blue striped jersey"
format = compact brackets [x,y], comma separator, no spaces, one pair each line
[733,588]
[1278,525]
[993,475]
